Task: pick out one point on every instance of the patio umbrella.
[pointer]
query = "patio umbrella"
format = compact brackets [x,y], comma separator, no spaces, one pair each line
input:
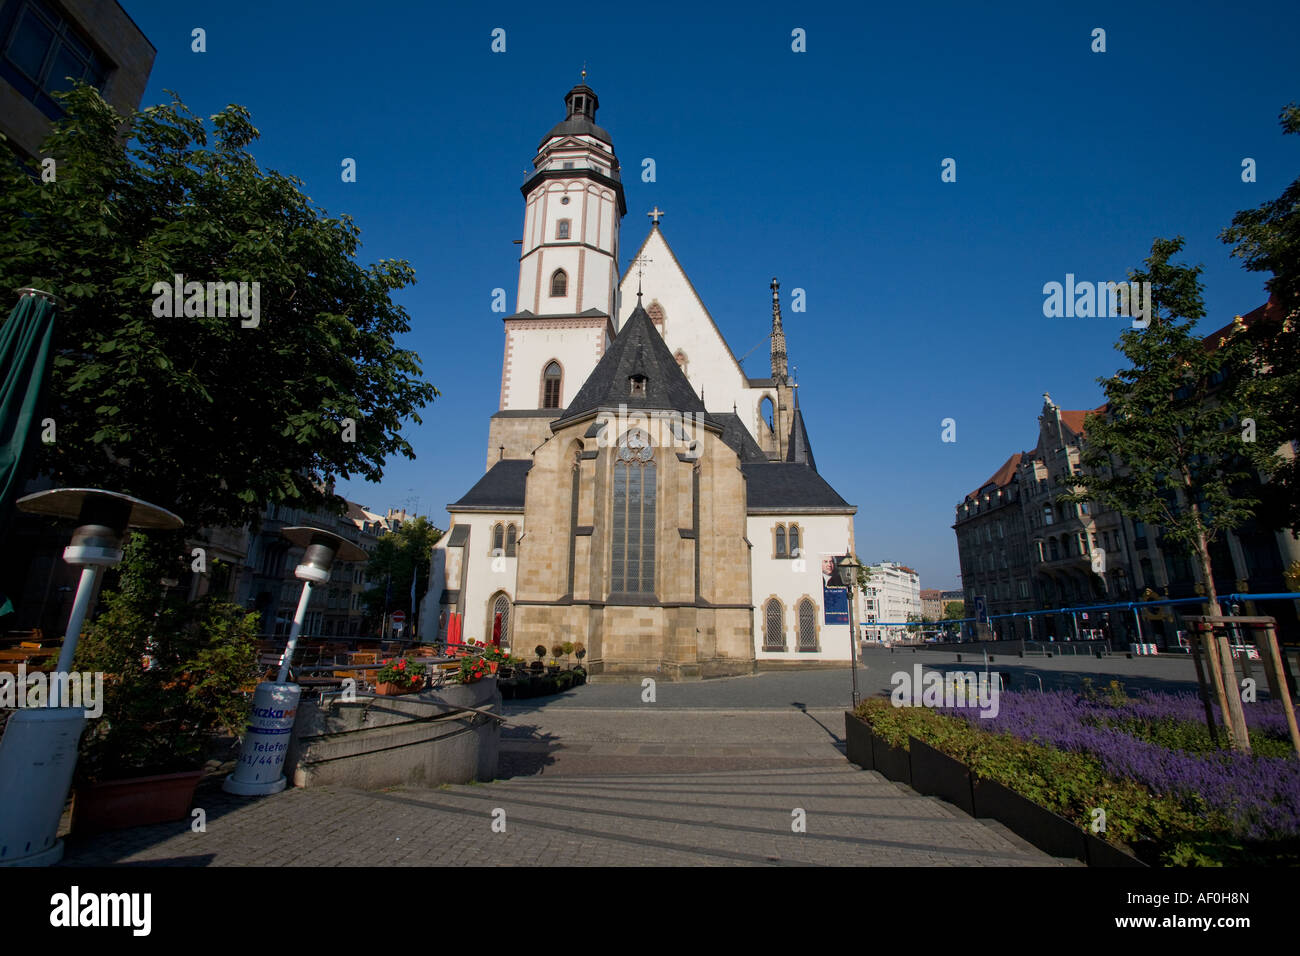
[25,352]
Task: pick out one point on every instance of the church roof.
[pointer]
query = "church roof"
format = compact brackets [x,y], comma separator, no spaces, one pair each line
[800,447]
[737,437]
[501,489]
[785,487]
[637,350]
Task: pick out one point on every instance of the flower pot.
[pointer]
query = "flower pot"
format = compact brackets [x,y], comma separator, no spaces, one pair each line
[133,802]
[857,741]
[893,763]
[935,774]
[392,689]
[1050,832]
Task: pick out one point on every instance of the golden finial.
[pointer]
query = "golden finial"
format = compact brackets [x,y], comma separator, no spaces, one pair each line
[584,71]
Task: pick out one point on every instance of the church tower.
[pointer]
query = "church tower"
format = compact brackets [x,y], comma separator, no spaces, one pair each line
[568,277]
[776,442]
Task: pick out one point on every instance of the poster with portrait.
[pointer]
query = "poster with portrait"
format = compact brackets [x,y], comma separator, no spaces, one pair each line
[835,597]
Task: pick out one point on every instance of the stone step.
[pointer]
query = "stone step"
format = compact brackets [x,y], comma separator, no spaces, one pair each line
[852,817]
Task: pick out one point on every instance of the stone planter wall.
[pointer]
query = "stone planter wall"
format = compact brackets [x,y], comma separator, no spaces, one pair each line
[933,773]
[412,740]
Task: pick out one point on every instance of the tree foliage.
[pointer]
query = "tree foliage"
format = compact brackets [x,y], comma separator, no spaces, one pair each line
[1268,240]
[198,413]
[397,556]
[1168,450]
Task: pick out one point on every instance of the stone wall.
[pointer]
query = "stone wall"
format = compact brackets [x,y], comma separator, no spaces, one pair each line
[413,740]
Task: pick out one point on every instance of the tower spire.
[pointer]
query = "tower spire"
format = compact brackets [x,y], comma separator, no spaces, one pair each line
[780,373]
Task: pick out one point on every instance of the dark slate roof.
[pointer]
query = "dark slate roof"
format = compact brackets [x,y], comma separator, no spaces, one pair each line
[788,487]
[800,452]
[638,349]
[501,487]
[459,535]
[737,437]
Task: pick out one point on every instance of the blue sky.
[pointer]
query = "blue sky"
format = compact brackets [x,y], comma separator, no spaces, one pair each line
[823,168]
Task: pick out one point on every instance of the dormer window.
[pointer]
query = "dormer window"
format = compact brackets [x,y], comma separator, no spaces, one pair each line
[637,386]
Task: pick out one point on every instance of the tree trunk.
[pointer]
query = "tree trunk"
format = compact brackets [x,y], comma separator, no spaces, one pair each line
[1202,548]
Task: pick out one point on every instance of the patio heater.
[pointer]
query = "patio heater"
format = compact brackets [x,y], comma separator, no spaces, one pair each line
[275,703]
[39,751]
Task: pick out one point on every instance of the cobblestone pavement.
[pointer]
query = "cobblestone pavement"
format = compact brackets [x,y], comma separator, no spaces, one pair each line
[830,687]
[586,786]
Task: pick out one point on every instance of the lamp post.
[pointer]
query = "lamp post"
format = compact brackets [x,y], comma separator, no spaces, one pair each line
[275,703]
[849,578]
[39,751]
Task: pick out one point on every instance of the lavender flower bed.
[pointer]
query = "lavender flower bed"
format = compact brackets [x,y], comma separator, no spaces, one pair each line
[1261,795]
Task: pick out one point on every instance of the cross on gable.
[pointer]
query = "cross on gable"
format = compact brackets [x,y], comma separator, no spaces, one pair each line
[654,215]
[641,262]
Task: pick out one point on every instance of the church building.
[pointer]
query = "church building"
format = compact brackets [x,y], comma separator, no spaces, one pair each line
[642,494]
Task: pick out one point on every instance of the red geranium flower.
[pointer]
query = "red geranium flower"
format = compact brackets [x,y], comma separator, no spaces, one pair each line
[401,665]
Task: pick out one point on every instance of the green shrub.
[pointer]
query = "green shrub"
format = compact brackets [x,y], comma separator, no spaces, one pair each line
[1068,783]
[161,720]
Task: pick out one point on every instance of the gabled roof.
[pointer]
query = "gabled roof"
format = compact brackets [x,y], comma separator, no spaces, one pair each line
[654,230]
[501,489]
[637,350]
[1073,419]
[782,487]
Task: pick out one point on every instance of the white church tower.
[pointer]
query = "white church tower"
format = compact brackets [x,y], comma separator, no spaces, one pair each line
[568,278]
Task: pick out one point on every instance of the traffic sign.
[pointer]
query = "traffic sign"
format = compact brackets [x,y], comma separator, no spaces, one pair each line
[981,609]
[399,618]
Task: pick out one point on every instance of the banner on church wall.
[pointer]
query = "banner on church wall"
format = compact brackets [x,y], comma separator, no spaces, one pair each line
[835,597]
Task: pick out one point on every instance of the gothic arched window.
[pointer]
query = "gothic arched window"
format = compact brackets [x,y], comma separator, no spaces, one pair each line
[551,379]
[499,620]
[559,283]
[498,539]
[512,535]
[773,626]
[780,541]
[632,564]
[794,541]
[807,625]
[766,409]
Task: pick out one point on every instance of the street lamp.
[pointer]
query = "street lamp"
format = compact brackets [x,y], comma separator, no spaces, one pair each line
[848,567]
[39,751]
[275,703]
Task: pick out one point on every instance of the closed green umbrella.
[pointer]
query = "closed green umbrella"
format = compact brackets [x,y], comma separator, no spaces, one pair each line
[25,353]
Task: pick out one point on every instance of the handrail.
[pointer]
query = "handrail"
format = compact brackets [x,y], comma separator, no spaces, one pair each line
[449,712]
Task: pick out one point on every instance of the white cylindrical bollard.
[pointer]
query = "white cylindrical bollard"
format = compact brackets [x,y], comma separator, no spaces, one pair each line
[37,758]
[266,743]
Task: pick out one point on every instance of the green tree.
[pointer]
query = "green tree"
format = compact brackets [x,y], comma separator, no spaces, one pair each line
[397,556]
[864,572]
[201,414]
[1268,240]
[1167,451]
[954,610]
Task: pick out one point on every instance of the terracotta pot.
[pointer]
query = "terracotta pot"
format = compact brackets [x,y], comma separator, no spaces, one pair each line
[134,802]
[391,689]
